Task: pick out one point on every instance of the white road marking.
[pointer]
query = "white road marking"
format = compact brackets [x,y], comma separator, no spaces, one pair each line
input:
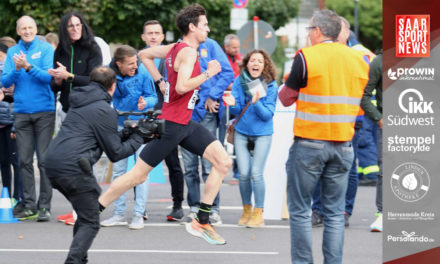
[221,207]
[219,226]
[143,251]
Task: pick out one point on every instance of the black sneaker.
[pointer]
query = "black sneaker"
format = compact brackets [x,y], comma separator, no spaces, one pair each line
[43,215]
[175,215]
[346,218]
[367,182]
[26,214]
[316,219]
[17,208]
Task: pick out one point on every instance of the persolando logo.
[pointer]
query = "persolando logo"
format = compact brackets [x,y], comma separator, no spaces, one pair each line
[414,74]
[412,237]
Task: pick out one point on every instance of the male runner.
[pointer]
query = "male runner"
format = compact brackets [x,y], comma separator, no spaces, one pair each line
[180,96]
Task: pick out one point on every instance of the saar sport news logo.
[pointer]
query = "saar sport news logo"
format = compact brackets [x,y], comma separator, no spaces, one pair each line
[412,35]
[410,182]
[412,237]
[413,74]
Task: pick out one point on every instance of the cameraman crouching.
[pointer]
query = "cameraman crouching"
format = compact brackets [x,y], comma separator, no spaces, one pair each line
[90,127]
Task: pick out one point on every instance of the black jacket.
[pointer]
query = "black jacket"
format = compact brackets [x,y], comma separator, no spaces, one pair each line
[374,112]
[90,127]
[84,61]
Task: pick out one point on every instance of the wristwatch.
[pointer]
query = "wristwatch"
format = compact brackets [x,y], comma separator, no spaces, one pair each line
[29,68]
[159,80]
[206,75]
[70,77]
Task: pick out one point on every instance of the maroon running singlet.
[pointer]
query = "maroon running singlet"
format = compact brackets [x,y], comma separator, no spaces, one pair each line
[178,107]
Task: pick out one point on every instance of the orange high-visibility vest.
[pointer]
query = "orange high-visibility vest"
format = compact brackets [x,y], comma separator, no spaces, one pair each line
[327,107]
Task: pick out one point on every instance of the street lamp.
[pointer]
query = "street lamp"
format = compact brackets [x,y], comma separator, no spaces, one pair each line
[356,25]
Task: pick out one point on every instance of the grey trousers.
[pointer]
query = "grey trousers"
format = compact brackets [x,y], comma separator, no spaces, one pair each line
[380,174]
[34,131]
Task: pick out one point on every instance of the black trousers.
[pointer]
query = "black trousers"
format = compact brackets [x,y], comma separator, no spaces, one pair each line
[34,131]
[83,194]
[8,157]
[176,177]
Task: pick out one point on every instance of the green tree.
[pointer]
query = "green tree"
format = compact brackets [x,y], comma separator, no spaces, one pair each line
[370,19]
[114,20]
[121,21]
[275,12]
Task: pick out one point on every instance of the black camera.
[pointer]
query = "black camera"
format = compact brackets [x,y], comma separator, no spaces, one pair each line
[148,127]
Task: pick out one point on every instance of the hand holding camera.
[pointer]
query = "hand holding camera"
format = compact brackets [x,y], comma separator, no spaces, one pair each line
[149,127]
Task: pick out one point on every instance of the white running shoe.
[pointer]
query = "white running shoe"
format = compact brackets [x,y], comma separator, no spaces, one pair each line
[115,220]
[137,222]
[377,226]
[215,219]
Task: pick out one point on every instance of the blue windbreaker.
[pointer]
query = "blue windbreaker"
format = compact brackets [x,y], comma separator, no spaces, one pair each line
[216,85]
[32,93]
[130,88]
[258,118]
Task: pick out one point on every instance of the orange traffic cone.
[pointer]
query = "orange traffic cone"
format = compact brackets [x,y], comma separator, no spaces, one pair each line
[5,208]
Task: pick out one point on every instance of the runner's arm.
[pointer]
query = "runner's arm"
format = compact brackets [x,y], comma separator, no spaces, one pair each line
[187,58]
[147,57]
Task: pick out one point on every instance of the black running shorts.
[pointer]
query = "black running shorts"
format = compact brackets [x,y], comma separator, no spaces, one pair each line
[193,137]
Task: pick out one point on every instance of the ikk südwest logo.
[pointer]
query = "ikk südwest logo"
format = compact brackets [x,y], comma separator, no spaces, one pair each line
[412,35]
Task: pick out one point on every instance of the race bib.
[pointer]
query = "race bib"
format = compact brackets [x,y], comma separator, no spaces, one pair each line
[193,100]
[166,96]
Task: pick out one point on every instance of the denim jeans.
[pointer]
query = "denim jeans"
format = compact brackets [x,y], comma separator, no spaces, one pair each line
[251,168]
[367,150]
[310,161]
[140,191]
[191,165]
[353,181]
[222,127]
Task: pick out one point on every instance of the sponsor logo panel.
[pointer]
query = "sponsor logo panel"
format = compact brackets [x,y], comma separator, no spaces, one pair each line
[412,74]
[412,35]
[410,182]
[411,216]
[409,237]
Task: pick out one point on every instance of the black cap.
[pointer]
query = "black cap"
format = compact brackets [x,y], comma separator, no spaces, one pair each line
[3,47]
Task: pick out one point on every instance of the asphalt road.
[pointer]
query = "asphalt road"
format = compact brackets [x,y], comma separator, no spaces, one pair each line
[167,242]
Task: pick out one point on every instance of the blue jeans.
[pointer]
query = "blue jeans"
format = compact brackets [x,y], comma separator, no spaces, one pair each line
[353,181]
[140,191]
[310,161]
[367,150]
[191,165]
[251,168]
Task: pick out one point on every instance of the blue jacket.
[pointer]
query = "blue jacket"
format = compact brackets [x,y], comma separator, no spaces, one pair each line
[130,88]
[257,120]
[32,93]
[6,117]
[216,85]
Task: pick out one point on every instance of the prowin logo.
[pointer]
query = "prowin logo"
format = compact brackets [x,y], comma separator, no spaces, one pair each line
[411,106]
[414,74]
[406,237]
